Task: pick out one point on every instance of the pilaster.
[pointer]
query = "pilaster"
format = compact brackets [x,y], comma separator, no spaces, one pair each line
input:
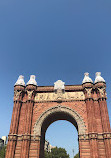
[88,91]
[101,92]
[30,94]
[18,95]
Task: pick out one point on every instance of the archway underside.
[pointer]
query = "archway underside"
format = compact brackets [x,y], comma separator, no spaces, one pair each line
[52,115]
[59,113]
[49,120]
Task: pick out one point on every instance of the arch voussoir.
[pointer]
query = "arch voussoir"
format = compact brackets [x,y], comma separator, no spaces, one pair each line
[63,109]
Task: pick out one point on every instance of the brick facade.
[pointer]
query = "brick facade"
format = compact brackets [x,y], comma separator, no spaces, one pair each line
[32,116]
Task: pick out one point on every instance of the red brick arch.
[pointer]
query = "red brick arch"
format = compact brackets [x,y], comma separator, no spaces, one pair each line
[76,118]
[36,107]
[53,114]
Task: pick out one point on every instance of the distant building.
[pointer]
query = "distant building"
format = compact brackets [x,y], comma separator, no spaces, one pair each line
[48,147]
[3,141]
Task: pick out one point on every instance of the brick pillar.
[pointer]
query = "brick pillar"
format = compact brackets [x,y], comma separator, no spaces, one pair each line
[101,90]
[98,127]
[97,113]
[110,142]
[80,148]
[35,147]
[105,124]
[30,90]
[18,95]
[88,90]
[84,146]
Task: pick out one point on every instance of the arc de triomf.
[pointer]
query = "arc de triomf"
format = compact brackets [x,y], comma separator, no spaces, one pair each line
[36,107]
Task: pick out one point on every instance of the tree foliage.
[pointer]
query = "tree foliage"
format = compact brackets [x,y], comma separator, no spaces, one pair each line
[57,153]
[76,156]
[2,152]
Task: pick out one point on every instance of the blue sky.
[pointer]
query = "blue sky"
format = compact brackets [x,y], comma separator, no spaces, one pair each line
[52,39]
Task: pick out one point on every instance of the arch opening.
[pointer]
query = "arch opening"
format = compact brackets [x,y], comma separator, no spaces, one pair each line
[55,117]
[61,134]
[55,114]
[72,116]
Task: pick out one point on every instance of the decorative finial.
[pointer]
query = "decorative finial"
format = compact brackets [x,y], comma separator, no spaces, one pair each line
[87,78]
[59,85]
[20,81]
[98,77]
[32,80]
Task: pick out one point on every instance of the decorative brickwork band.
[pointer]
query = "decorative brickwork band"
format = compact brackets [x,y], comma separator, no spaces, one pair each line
[33,137]
[97,136]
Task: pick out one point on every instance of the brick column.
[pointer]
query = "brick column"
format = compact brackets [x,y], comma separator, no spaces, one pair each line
[98,127]
[35,147]
[110,142]
[88,90]
[18,95]
[84,146]
[101,91]
[30,91]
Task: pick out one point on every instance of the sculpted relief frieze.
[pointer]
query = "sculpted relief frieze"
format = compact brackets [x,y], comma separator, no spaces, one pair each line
[67,96]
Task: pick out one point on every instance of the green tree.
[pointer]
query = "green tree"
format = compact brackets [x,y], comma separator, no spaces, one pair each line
[76,156]
[2,152]
[47,155]
[57,153]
